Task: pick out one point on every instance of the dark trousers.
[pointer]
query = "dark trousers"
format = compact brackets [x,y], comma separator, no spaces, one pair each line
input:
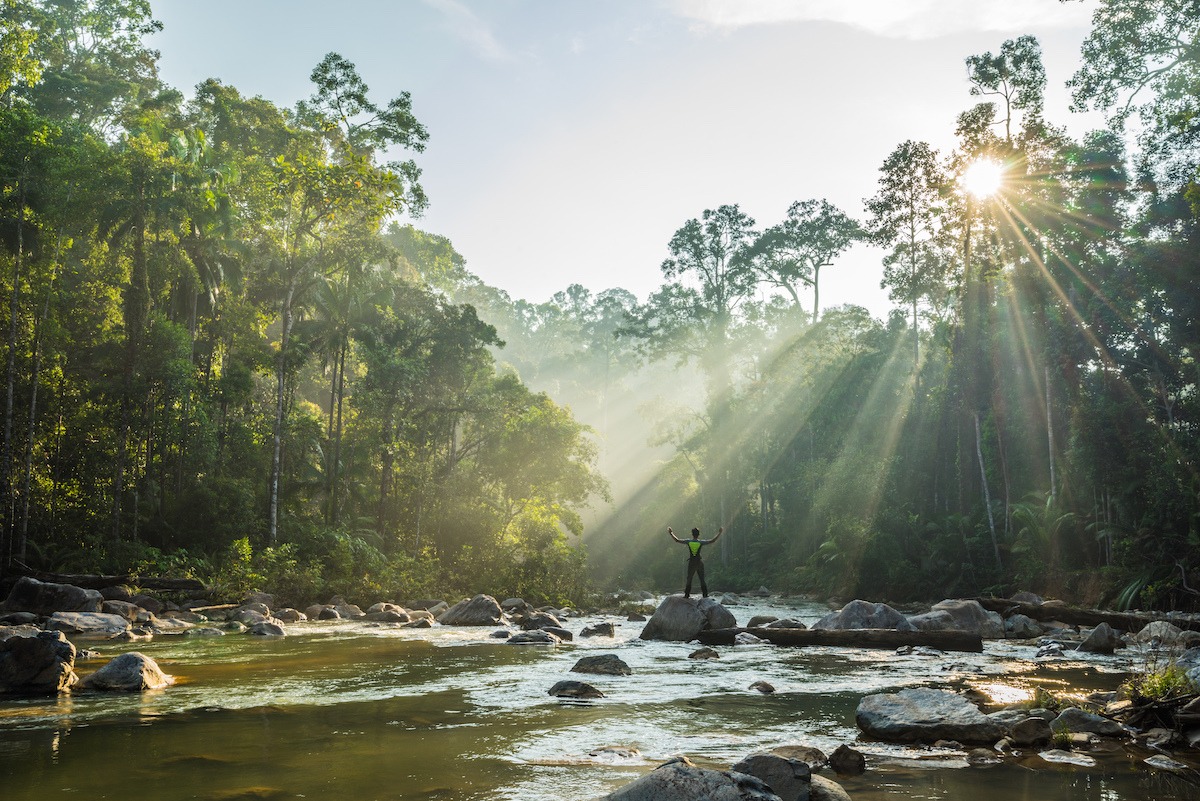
[695,568]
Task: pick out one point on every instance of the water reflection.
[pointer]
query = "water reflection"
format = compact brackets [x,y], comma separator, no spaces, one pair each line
[372,712]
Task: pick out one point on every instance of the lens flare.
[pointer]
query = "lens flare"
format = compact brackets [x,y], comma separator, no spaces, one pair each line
[983,177]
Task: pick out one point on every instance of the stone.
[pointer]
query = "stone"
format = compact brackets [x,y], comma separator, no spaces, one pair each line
[46,598]
[18,619]
[515,605]
[129,672]
[1101,640]
[252,606]
[823,789]
[810,755]
[679,619]
[760,620]
[420,614]
[788,778]
[420,623]
[1160,762]
[603,664]
[1060,757]
[314,612]
[435,606]
[846,761]
[865,615]
[43,664]
[388,616]
[984,756]
[561,633]
[599,630]
[117,592]
[183,615]
[20,630]
[1030,731]
[264,598]
[1160,631]
[746,638]
[786,623]
[88,624]
[249,617]
[329,613]
[1021,627]
[289,615]
[385,606]
[925,715]
[1050,650]
[204,631]
[540,620]
[535,637]
[234,627]
[704,653]
[148,602]
[501,634]
[961,615]
[635,617]
[482,610]
[168,625]
[1076,721]
[349,611]
[266,629]
[574,689]
[680,780]
[764,687]
[1026,597]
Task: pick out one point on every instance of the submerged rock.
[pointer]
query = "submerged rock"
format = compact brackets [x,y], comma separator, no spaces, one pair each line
[846,761]
[925,715]
[827,790]
[535,637]
[1076,720]
[764,687]
[574,689]
[680,780]
[704,653]
[41,664]
[599,630]
[603,664]
[129,672]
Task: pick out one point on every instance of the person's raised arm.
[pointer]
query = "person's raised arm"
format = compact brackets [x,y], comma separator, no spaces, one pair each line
[720,531]
[672,533]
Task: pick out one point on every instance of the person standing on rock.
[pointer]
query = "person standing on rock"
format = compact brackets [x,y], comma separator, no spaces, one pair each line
[695,565]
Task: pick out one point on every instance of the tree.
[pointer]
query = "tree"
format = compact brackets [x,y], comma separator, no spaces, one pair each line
[907,216]
[1016,76]
[814,233]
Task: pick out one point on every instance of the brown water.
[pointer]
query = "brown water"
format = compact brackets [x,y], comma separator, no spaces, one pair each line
[359,712]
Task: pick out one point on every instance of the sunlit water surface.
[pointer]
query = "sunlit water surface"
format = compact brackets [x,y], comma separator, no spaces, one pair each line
[356,711]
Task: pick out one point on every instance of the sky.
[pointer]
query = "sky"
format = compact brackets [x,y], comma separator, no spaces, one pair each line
[569,140]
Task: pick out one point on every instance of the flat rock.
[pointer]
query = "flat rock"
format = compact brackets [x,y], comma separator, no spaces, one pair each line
[46,598]
[603,664]
[810,755]
[535,637]
[679,780]
[925,715]
[704,653]
[88,624]
[129,672]
[1060,757]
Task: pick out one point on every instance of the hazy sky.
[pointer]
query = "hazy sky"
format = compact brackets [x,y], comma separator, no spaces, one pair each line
[570,139]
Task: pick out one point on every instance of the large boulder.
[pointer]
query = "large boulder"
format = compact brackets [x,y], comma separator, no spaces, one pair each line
[42,664]
[1022,627]
[129,672]
[1160,631]
[680,619]
[925,715]
[46,598]
[865,615]
[788,778]
[960,615]
[827,790]
[540,620]
[534,637]
[574,689]
[88,624]
[680,780]
[605,629]
[482,610]
[1101,640]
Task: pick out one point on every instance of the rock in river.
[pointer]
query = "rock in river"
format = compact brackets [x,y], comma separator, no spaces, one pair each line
[482,610]
[788,778]
[680,619]
[574,689]
[88,624]
[603,664]
[680,780]
[42,664]
[130,672]
[865,615]
[46,598]
[1076,720]
[924,715]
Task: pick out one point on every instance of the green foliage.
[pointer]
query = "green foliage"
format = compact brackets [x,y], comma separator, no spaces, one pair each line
[1158,682]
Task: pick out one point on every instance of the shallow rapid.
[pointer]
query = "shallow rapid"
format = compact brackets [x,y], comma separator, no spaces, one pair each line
[349,710]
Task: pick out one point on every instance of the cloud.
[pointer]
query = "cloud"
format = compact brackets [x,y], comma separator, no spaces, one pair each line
[466,25]
[902,19]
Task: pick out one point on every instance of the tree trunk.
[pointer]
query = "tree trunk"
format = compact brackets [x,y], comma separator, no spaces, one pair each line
[277,431]
[987,495]
[1050,435]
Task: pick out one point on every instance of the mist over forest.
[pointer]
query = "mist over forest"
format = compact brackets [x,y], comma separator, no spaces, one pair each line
[233,354]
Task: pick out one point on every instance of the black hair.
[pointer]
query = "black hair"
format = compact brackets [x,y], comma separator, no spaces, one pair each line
[695,532]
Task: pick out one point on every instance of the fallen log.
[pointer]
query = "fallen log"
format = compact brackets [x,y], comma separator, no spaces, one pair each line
[852,638]
[92,581]
[1076,616]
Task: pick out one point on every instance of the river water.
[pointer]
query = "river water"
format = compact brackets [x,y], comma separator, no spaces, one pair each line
[355,711]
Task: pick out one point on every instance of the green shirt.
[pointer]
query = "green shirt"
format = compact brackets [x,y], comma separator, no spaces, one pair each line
[694,546]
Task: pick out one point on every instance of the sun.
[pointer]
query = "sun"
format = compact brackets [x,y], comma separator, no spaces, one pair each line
[983,177]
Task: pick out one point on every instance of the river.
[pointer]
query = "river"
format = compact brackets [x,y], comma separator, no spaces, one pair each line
[357,711]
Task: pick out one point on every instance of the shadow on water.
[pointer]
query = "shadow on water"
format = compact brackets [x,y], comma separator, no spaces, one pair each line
[361,712]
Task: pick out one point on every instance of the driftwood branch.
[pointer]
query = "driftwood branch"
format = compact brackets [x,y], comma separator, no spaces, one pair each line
[1075,616]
